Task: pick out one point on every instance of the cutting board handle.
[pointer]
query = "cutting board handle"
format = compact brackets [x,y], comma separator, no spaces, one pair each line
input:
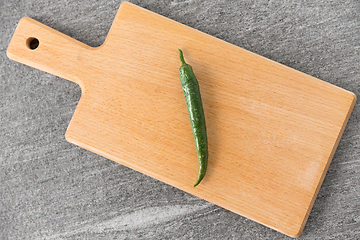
[44,48]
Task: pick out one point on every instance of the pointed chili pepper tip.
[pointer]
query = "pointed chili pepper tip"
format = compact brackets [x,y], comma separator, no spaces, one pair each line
[197,182]
[201,175]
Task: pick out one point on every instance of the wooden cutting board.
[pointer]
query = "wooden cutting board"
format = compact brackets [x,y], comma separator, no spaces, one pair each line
[272,130]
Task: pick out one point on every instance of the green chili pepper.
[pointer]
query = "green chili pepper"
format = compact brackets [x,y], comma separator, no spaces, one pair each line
[191,91]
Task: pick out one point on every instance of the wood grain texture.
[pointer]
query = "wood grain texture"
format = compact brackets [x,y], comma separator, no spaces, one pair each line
[272,130]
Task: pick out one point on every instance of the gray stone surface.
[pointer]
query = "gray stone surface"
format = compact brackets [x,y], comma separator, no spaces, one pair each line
[51,189]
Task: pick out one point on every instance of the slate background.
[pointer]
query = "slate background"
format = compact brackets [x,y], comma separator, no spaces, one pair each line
[51,189]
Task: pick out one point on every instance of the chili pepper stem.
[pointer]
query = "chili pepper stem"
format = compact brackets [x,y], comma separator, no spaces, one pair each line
[182,60]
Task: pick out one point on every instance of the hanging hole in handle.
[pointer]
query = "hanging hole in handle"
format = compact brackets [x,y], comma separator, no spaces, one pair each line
[32,43]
